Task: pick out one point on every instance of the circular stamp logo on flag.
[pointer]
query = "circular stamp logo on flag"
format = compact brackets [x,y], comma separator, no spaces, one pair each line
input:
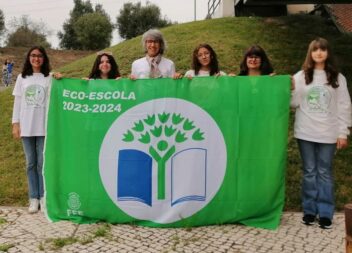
[163,160]
[73,201]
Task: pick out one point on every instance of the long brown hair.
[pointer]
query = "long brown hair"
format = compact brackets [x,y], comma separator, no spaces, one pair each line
[213,65]
[330,67]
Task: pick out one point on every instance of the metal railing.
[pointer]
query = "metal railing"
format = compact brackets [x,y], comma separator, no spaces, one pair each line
[212,5]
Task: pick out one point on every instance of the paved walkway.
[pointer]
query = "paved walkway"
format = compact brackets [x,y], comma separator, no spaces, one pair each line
[22,232]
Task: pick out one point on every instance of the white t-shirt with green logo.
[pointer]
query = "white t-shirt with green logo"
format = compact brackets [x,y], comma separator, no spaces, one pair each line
[323,113]
[31,94]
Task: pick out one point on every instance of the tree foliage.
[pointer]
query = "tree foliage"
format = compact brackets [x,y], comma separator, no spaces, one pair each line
[27,33]
[135,19]
[79,32]
[162,132]
[2,23]
[93,31]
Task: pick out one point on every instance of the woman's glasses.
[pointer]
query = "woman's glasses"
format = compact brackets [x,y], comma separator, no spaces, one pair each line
[36,56]
[253,57]
[152,41]
[201,55]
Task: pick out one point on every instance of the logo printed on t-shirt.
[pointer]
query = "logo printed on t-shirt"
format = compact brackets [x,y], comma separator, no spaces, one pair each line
[318,99]
[35,95]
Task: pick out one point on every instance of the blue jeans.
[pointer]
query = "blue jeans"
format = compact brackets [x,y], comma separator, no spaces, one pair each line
[318,182]
[4,77]
[33,149]
[9,78]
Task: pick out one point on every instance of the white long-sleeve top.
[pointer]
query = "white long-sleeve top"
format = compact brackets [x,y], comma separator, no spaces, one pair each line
[29,110]
[323,113]
[141,68]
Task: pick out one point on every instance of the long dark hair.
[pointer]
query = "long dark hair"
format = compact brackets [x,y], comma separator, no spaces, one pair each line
[330,68]
[265,67]
[27,66]
[213,65]
[95,73]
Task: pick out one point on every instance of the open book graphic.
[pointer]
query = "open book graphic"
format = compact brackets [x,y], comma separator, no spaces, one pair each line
[188,176]
[134,176]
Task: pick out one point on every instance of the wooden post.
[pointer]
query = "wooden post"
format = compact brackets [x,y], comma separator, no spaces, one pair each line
[348,222]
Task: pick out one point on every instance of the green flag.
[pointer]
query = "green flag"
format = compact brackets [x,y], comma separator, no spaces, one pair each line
[168,153]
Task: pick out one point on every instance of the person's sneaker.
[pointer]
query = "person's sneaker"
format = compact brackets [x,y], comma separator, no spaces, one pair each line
[33,205]
[325,223]
[42,204]
[308,219]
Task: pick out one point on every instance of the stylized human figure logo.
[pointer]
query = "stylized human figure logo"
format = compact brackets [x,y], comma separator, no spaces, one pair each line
[164,130]
[318,99]
[35,95]
[163,160]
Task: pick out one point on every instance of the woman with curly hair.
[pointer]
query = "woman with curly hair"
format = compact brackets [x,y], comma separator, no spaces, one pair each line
[204,62]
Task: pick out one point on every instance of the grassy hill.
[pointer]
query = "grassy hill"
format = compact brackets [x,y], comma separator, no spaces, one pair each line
[285,39]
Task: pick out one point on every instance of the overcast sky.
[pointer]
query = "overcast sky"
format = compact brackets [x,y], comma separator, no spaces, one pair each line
[54,12]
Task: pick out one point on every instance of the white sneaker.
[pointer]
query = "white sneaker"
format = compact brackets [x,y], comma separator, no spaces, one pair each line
[42,204]
[33,205]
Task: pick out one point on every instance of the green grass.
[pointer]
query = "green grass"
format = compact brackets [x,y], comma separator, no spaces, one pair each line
[6,247]
[13,181]
[285,39]
[2,221]
[85,240]
[58,243]
[102,231]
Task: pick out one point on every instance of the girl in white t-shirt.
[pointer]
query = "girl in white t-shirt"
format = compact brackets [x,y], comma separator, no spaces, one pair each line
[323,115]
[204,62]
[28,119]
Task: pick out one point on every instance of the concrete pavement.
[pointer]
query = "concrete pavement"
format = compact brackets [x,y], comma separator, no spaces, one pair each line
[23,232]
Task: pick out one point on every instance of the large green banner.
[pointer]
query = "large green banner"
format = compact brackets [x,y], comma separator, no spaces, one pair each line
[168,153]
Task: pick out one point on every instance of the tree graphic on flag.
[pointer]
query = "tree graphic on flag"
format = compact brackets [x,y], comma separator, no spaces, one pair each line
[165,130]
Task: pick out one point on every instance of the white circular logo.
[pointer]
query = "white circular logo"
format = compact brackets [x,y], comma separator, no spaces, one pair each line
[35,95]
[318,99]
[163,160]
[73,201]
